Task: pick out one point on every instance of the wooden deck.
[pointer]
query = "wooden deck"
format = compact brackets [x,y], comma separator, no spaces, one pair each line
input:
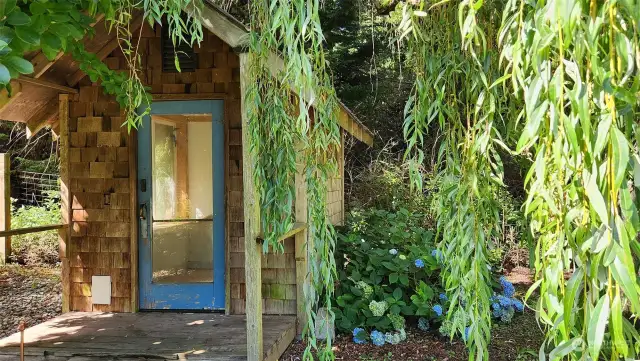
[80,336]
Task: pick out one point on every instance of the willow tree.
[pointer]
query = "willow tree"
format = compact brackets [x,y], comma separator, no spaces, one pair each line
[576,64]
[453,90]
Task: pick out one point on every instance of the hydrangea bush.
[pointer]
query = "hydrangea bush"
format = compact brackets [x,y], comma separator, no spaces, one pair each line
[389,270]
[504,306]
[386,273]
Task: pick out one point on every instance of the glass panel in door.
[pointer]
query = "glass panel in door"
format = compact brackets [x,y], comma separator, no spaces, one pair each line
[182,225]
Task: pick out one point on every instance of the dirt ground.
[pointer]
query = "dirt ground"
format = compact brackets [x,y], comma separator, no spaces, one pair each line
[517,341]
[29,294]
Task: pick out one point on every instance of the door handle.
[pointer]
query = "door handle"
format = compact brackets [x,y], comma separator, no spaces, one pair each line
[144,223]
[142,212]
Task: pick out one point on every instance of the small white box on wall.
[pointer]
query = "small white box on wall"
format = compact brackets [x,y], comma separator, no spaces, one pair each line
[101,290]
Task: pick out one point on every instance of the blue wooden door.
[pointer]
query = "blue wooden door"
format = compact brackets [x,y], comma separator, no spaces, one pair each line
[181,206]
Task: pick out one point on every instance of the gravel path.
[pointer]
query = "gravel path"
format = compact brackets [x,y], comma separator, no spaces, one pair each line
[32,294]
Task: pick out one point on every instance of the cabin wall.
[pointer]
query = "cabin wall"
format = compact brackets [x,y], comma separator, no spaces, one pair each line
[335,188]
[99,170]
[101,158]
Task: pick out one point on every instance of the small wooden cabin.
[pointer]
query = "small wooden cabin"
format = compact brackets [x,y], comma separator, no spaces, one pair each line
[166,218]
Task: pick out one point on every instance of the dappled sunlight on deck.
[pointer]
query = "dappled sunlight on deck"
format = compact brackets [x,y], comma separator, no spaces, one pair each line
[194,336]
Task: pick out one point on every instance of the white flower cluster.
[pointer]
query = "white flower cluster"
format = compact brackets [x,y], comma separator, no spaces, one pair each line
[378,308]
[395,338]
[365,288]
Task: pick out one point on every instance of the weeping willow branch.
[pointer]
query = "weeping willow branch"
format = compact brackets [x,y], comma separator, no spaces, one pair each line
[294,111]
[577,68]
[452,86]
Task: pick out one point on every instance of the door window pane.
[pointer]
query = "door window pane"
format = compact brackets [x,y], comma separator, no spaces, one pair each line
[182,249]
[164,171]
[182,252]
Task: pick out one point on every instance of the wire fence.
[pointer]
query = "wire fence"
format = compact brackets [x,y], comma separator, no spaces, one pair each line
[33,188]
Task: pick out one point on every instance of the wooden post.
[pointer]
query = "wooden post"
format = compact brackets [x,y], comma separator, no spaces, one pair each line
[133,201]
[301,244]
[252,248]
[64,234]
[5,207]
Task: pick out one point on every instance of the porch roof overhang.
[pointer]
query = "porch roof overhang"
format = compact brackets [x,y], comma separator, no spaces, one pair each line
[35,98]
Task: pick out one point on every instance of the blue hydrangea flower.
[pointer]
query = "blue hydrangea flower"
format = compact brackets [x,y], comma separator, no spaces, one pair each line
[359,336]
[518,305]
[495,306]
[393,251]
[438,310]
[467,331]
[377,338]
[507,287]
[419,263]
[443,297]
[504,301]
[497,312]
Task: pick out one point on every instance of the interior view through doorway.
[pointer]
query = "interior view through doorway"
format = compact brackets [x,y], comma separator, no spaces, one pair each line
[182,249]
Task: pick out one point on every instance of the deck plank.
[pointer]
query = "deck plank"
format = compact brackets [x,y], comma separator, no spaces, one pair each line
[82,336]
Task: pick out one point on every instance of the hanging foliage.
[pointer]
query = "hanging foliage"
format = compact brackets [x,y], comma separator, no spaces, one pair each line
[292,121]
[576,64]
[59,26]
[453,90]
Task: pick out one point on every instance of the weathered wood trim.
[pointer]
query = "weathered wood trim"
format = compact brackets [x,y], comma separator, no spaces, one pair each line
[253,250]
[64,235]
[301,213]
[297,228]
[227,218]
[16,91]
[133,201]
[47,84]
[40,118]
[223,25]
[281,345]
[29,230]
[199,96]
[5,207]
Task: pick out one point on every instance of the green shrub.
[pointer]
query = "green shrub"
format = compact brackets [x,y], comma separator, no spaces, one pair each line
[384,184]
[50,165]
[36,248]
[388,270]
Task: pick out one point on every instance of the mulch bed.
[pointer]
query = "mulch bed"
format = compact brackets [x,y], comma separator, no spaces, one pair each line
[29,294]
[519,340]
